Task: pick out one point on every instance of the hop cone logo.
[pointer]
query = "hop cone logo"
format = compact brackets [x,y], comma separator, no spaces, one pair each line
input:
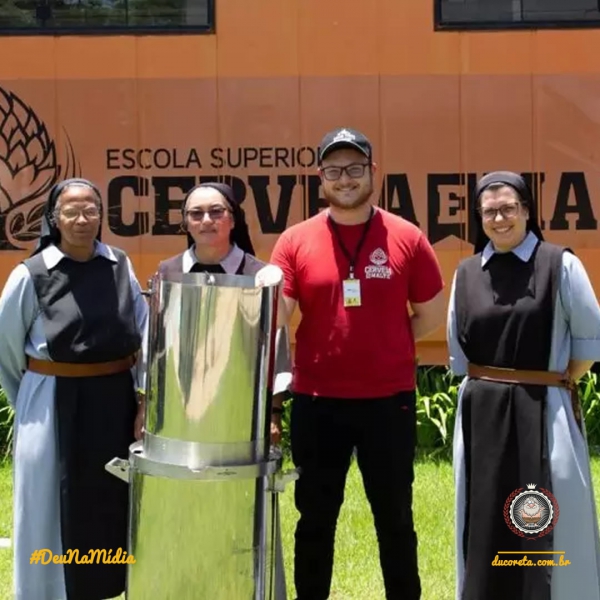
[28,169]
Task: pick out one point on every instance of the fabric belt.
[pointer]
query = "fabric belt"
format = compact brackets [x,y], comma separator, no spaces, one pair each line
[62,369]
[523,377]
[551,378]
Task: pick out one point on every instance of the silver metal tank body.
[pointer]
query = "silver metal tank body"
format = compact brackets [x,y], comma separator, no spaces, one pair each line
[204,518]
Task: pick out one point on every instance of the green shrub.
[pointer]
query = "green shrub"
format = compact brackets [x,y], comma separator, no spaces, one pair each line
[437,396]
[6,425]
[437,399]
[286,445]
[589,396]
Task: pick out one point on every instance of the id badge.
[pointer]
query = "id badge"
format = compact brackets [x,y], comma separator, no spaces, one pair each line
[351,292]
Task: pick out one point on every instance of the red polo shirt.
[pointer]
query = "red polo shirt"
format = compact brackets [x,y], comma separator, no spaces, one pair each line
[365,351]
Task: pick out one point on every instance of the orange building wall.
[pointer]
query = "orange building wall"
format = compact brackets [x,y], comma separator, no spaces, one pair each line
[441,108]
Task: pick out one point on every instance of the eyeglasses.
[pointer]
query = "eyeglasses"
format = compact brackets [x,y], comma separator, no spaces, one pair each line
[354,171]
[508,211]
[215,214]
[71,214]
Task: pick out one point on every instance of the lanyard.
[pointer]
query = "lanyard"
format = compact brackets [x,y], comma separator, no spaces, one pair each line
[352,259]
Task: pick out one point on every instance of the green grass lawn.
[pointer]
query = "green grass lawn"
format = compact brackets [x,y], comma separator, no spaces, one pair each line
[357,575]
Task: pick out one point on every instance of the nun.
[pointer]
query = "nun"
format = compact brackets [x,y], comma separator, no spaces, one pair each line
[523,326]
[219,242]
[72,317]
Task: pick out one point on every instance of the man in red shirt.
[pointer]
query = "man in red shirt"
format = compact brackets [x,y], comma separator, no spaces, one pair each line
[352,270]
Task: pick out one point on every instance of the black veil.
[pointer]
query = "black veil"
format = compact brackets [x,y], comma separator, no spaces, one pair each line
[518,183]
[49,233]
[240,233]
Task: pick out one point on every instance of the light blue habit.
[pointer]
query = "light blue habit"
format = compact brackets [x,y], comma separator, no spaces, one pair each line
[575,336]
[35,453]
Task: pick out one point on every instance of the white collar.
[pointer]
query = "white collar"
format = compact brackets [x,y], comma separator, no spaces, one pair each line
[231,263]
[52,254]
[524,250]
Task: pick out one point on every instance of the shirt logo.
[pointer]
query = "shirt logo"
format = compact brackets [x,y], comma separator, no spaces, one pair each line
[378,270]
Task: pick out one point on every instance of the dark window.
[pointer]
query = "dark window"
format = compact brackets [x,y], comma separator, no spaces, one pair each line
[505,14]
[102,16]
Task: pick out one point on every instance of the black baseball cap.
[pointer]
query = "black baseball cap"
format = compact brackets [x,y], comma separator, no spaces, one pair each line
[345,137]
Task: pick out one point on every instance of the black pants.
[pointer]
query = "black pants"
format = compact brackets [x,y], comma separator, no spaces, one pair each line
[324,434]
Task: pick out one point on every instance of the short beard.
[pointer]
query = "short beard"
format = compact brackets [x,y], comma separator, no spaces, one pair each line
[360,201]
